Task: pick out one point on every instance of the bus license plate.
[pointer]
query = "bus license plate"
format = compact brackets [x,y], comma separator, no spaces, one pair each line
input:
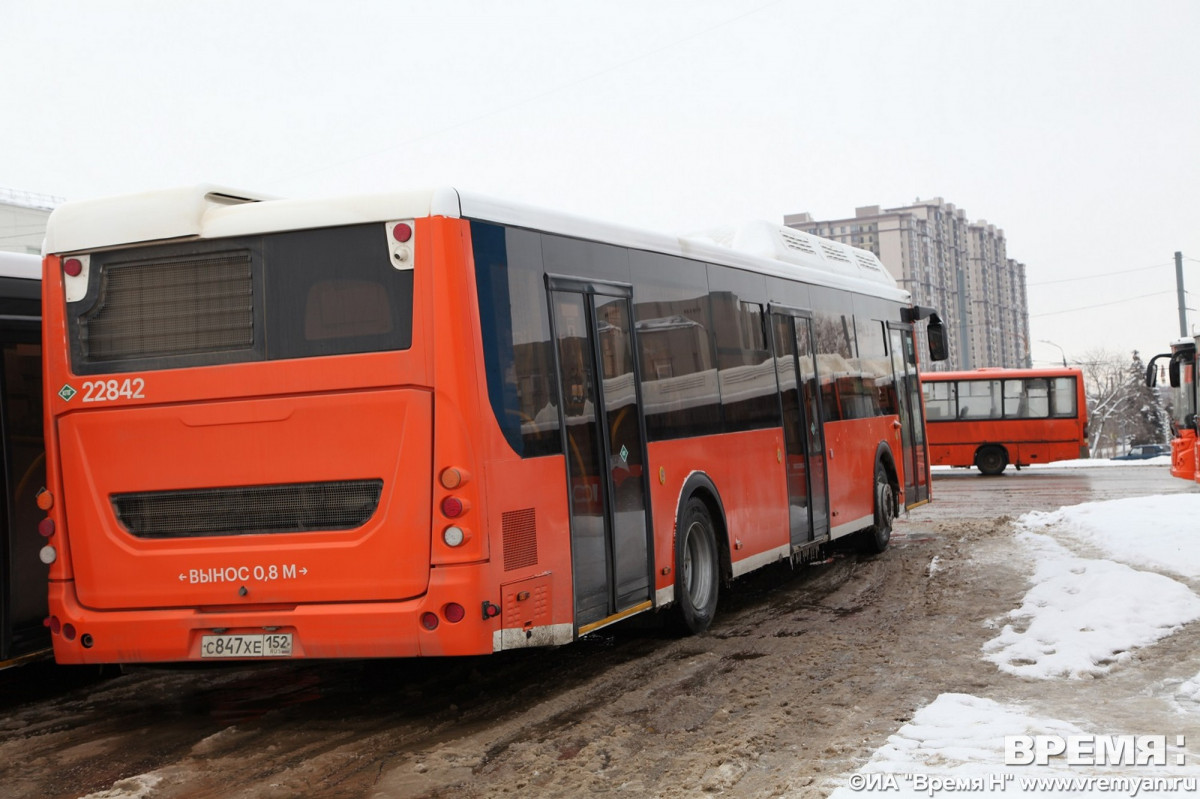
[266,645]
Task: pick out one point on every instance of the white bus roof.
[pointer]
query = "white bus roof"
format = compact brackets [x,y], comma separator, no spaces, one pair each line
[19,264]
[212,212]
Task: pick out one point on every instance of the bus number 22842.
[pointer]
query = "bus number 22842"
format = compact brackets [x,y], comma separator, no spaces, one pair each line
[110,390]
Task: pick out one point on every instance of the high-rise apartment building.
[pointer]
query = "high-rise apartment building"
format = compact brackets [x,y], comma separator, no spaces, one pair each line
[960,268]
[23,216]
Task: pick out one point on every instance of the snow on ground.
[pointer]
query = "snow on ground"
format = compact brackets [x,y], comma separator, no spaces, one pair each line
[1157,533]
[1083,615]
[958,745]
[1092,463]
[1087,463]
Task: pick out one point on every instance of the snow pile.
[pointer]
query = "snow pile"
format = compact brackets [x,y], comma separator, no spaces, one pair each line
[139,787]
[1161,532]
[1187,696]
[957,735]
[1082,616]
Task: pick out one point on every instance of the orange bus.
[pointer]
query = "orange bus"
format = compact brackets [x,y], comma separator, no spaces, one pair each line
[1184,379]
[433,423]
[23,634]
[989,418]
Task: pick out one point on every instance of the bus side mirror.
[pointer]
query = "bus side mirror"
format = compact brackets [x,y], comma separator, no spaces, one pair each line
[1172,370]
[936,334]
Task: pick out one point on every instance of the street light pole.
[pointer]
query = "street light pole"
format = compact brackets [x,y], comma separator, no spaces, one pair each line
[1060,349]
[1183,331]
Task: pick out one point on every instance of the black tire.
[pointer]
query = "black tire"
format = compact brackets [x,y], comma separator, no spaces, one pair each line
[991,460]
[877,537]
[697,571]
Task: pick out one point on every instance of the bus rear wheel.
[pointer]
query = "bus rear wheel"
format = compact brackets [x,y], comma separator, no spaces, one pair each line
[696,567]
[991,460]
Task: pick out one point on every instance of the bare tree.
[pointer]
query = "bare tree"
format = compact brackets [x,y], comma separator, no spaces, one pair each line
[1121,410]
[1104,378]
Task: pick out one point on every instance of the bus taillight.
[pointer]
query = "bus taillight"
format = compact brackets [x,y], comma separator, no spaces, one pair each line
[454,612]
[453,477]
[73,267]
[452,507]
[453,536]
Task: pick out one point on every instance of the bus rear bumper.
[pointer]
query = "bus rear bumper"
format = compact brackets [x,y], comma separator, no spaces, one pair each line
[328,630]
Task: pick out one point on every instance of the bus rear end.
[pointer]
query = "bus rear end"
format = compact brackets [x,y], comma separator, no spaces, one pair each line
[241,426]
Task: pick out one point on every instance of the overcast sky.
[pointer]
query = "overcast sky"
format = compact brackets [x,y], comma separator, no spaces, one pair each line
[1073,126]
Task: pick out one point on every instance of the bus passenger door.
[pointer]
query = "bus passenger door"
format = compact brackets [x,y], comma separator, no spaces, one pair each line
[605,450]
[912,418]
[23,596]
[803,427]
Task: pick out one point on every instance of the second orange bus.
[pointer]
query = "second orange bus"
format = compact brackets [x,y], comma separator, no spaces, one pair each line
[991,418]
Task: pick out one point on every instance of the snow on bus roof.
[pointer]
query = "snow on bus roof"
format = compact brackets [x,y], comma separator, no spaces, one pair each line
[210,212]
[19,264]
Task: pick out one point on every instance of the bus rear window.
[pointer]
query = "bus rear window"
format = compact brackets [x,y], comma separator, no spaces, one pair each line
[301,294]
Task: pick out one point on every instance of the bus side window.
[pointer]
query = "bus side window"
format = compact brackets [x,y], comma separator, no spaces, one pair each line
[834,336]
[517,351]
[1062,397]
[673,319]
[939,400]
[1037,403]
[979,399]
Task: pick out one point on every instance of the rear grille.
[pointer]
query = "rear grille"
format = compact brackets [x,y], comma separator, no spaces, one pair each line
[171,306]
[519,531]
[248,510]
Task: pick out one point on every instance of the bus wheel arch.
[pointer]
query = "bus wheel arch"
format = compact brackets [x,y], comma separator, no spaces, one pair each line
[701,553]
[885,490]
[991,459]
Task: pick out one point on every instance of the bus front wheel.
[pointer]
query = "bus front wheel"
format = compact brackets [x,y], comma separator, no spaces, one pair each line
[876,538]
[696,567]
[991,460]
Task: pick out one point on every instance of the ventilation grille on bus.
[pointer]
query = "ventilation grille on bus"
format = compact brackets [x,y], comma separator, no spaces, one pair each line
[519,530]
[248,510]
[171,306]
[795,242]
[870,264]
[834,253]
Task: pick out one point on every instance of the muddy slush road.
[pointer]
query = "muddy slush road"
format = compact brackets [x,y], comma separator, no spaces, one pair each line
[802,676]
